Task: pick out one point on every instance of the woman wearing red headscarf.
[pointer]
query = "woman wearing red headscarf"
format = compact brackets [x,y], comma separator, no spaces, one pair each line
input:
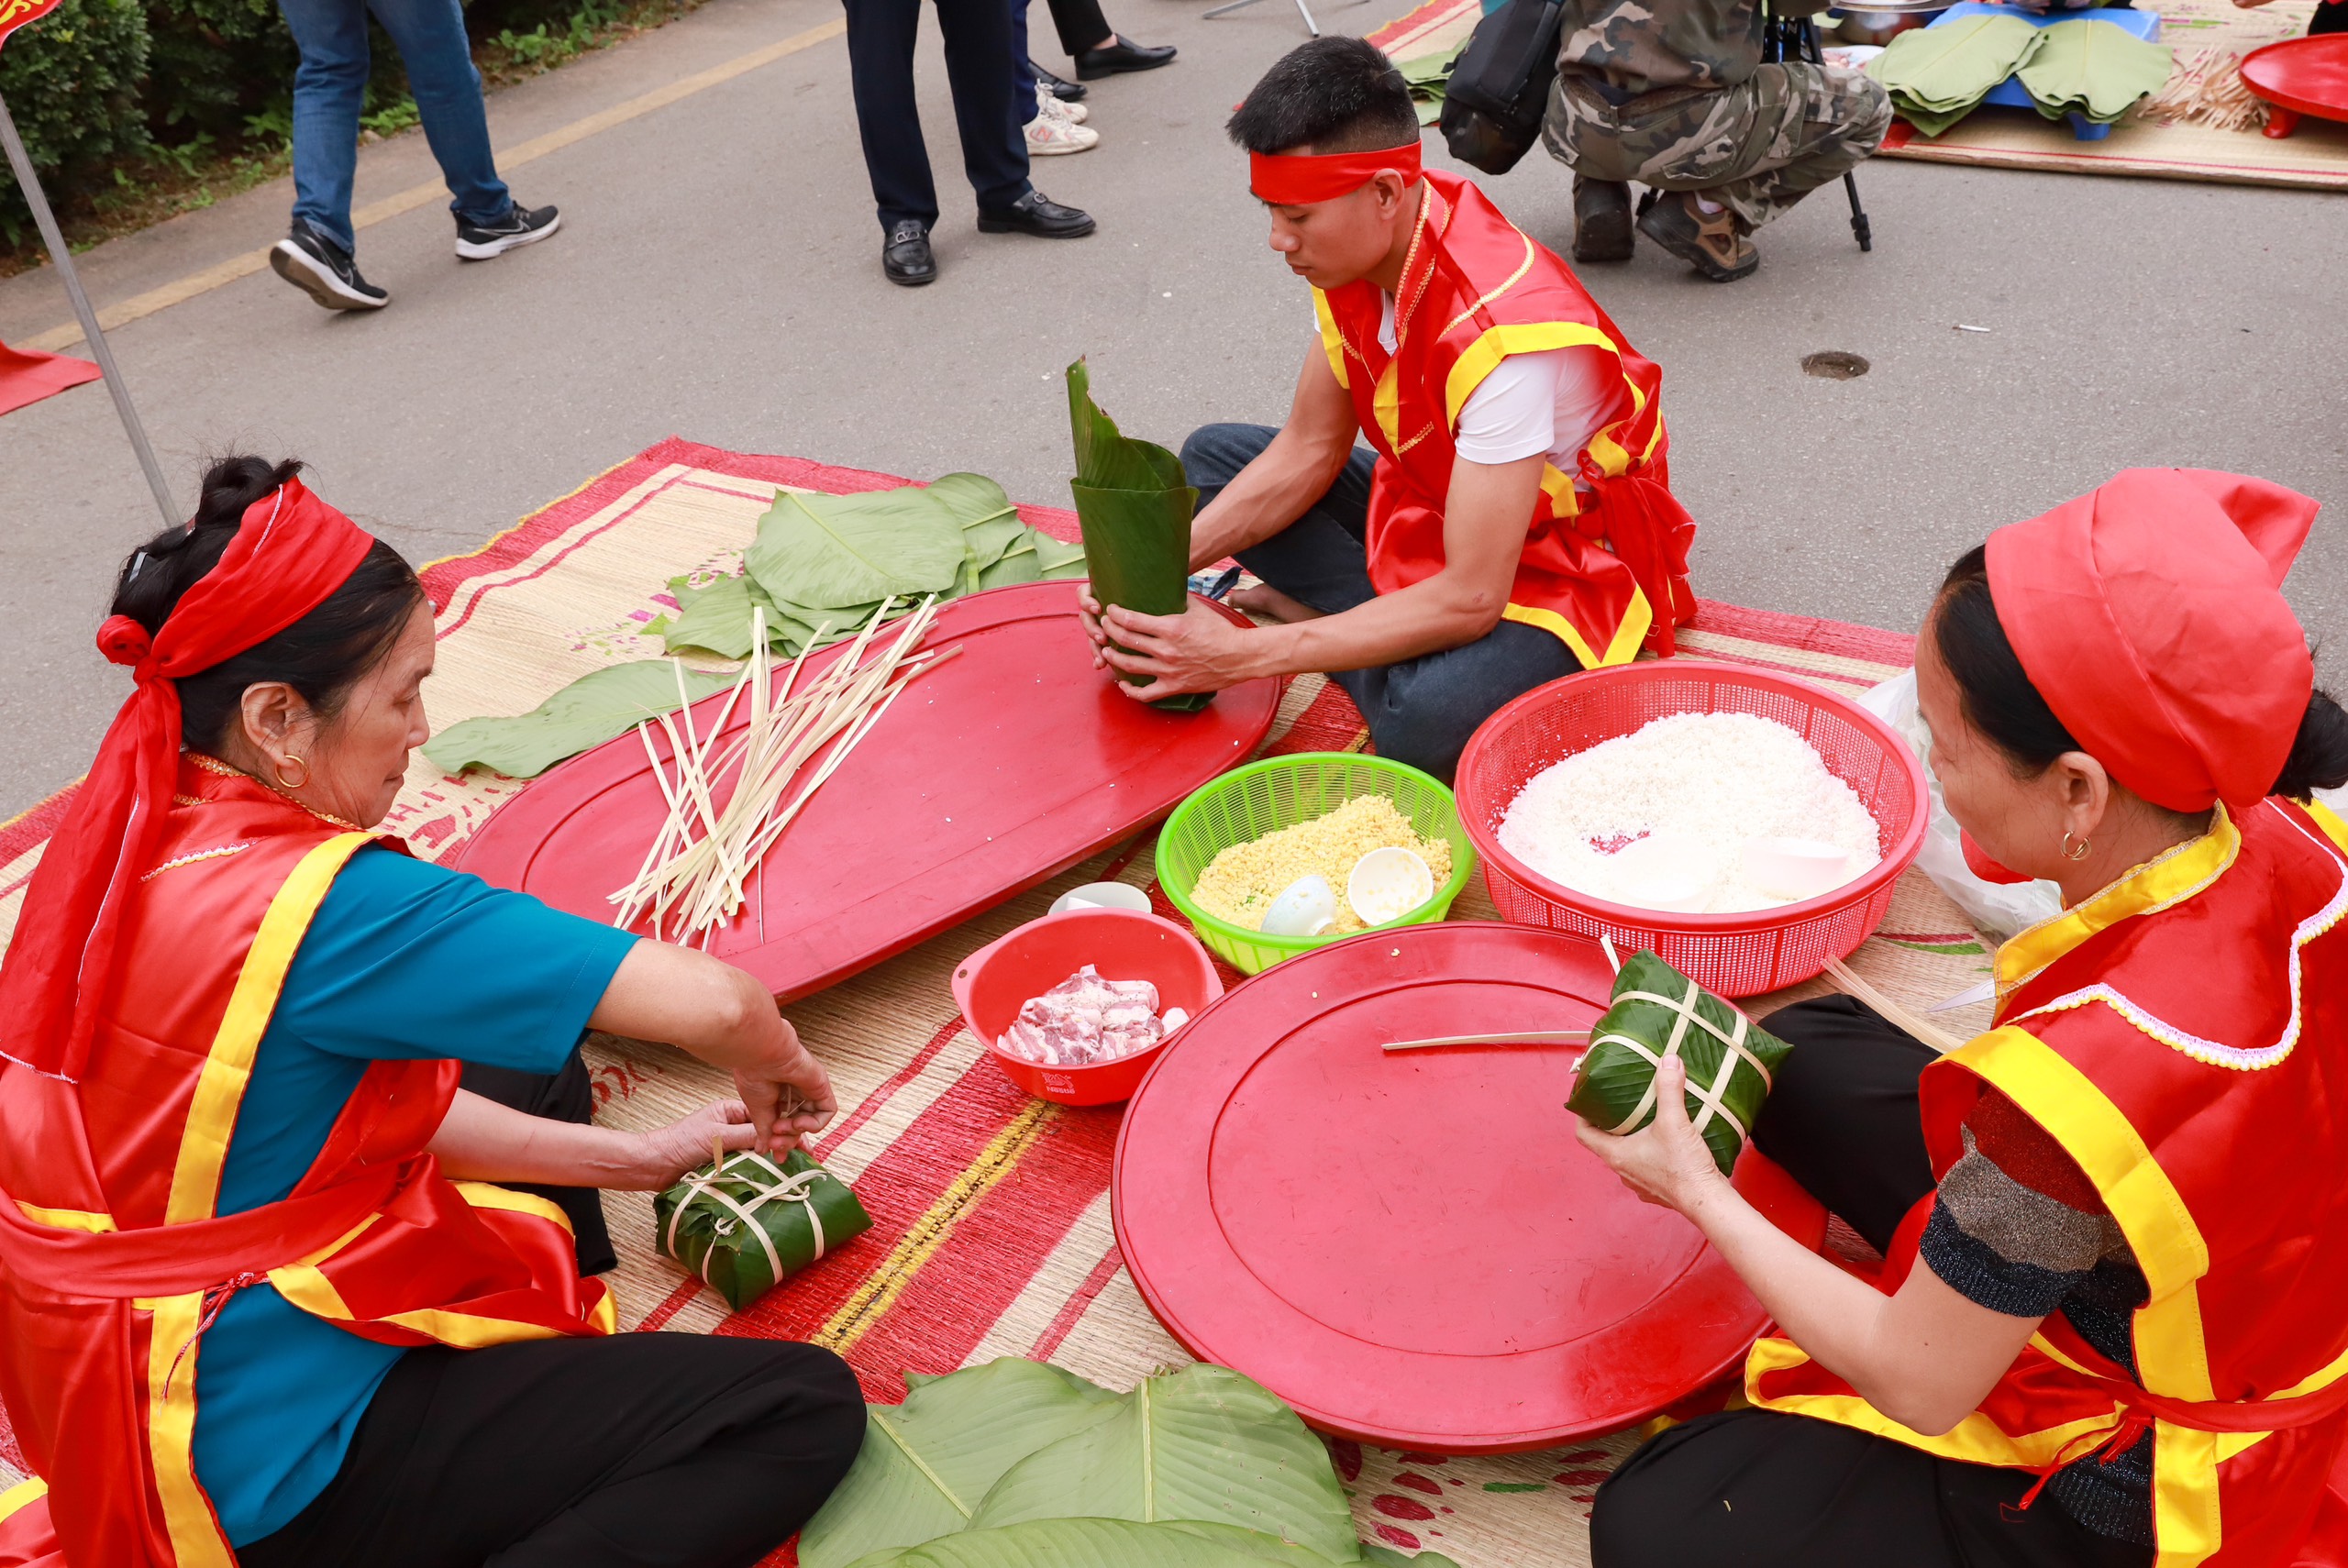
[259,1304]
[2125,1343]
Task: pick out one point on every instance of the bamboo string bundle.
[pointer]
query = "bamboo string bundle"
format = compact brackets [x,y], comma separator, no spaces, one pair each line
[696,875]
[2206,88]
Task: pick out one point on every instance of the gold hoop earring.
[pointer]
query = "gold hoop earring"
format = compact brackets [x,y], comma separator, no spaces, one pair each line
[285,783]
[2076,852]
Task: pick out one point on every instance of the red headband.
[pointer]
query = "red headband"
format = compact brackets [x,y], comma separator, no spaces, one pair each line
[1290,179]
[2150,615]
[290,551]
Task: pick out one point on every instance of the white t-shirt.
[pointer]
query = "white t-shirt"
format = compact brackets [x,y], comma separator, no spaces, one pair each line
[1551,402]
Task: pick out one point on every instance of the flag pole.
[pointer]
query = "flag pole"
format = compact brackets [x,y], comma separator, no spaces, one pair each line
[22,163]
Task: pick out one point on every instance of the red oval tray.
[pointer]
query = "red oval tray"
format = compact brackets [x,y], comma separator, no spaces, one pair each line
[1003,767]
[1411,1249]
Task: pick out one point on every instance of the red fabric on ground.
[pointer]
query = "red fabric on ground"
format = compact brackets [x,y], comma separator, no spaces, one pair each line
[27,376]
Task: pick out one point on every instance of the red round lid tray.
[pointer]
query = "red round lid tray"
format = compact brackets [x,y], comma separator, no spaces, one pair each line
[1411,1249]
[2309,75]
[1003,767]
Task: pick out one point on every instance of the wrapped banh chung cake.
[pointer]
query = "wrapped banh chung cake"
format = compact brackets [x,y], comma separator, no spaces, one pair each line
[747,1225]
[1657,1012]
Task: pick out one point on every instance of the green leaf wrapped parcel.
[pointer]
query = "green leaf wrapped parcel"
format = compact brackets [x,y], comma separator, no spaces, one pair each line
[1134,504]
[747,1224]
[1660,1012]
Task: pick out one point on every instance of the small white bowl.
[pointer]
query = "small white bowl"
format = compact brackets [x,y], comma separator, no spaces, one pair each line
[1387,884]
[1306,907]
[1795,869]
[1102,896]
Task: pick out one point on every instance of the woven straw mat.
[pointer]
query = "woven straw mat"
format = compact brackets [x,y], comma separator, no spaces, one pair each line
[991,1233]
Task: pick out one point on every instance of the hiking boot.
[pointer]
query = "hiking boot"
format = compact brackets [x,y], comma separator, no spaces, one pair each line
[521,226]
[1712,243]
[1601,220]
[307,258]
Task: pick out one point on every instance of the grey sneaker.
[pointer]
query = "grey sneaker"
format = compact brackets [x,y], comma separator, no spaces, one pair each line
[521,226]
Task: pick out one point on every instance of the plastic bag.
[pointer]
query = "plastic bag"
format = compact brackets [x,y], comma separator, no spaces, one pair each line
[1997,911]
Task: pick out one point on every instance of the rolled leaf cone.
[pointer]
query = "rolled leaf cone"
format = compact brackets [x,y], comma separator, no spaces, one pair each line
[1658,1012]
[746,1225]
[1134,504]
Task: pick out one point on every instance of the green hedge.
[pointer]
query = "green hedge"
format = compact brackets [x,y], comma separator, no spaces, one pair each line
[103,88]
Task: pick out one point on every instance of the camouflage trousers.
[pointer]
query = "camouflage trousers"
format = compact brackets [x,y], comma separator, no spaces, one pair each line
[1756,147]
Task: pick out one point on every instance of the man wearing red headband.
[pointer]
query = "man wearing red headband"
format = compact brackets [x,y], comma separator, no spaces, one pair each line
[1512,523]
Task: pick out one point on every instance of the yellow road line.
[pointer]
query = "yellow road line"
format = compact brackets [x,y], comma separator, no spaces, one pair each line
[141,305]
[885,1283]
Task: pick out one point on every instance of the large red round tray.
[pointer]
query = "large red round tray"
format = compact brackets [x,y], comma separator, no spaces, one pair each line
[1003,767]
[1411,1249]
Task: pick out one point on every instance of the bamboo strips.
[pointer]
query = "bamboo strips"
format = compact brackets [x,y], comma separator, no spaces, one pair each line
[727,802]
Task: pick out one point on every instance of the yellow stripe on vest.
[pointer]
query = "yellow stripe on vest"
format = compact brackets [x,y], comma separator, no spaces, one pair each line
[220,1086]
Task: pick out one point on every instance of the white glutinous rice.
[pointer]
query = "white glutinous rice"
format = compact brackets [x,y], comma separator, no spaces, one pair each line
[1699,784]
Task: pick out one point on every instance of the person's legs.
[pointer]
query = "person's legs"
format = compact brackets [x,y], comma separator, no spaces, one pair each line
[566,1096]
[1080,24]
[329,87]
[2330,18]
[1317,560]
[640,1450]
[1422,710]
[1023,68]
[1842,1117]
[1807,124]
[430,36]
[995,150]
[1764,1490]
[881,71]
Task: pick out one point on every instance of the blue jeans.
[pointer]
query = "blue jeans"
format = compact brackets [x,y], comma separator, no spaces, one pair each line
[331,86]
[1421,711]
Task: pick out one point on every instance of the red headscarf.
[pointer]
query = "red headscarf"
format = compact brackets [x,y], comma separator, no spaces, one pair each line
[1299,180]
[2150,615]
[290,551]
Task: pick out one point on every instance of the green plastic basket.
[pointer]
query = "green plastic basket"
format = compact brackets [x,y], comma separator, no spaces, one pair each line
[1281,791]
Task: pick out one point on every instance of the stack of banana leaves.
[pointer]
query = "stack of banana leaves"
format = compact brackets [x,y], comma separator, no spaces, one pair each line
[1135,504]
[1939,74]
[1014,1464]
[2096,70]
[822,565]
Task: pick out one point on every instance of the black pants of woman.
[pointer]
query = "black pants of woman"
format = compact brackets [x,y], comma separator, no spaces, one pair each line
[1763,1489]
[640,1450]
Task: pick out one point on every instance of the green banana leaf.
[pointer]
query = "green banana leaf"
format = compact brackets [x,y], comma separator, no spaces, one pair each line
[1134,504]
[2096,70]
[1429,78]
[1938,75]
[856,549]
[1101,1543]
[717,617]
[1615,1078]
[1201,1443]
[1387,1557]
[587,712]
[989,523]
[927,1464]
[701,1221]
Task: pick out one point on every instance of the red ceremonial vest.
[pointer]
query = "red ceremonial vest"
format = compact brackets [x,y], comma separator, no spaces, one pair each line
[1605,570]
[2184,1035]
[112,1259]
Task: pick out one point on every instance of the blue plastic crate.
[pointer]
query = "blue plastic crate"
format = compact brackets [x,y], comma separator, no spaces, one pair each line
[2145,25]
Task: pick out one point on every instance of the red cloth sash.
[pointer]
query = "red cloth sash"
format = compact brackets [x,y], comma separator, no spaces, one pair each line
[1289,180]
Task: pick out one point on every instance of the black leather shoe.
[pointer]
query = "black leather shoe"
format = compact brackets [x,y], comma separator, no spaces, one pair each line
[1035,213]
[1601,220]
[907,258]
[1121,54]
[1067,92]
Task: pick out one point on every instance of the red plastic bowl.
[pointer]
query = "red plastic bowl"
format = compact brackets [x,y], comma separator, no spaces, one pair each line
[991,985]
[1737,954]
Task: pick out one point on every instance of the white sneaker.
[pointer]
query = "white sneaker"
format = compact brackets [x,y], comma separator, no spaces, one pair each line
[1074,114]
[1048,134]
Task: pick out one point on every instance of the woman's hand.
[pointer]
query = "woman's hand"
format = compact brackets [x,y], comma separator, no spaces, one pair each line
[787,1096]
[1665,1161]
[1199,650]
[666,1154]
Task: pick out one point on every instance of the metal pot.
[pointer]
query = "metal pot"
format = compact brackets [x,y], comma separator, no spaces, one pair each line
[1880,27]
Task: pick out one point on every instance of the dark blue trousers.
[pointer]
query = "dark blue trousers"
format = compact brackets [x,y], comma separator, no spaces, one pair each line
[978,65]
[1422,711]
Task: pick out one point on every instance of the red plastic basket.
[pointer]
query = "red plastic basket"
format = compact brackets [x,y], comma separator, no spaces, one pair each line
[1737,954]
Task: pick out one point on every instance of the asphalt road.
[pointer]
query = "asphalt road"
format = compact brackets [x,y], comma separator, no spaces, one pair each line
[717,276]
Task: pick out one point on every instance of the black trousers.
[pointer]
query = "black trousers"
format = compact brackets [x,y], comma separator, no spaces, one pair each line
[1080,25]
[641,1451]
[1763,1489]
[1422,711]
[567,1096]
[977,64]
